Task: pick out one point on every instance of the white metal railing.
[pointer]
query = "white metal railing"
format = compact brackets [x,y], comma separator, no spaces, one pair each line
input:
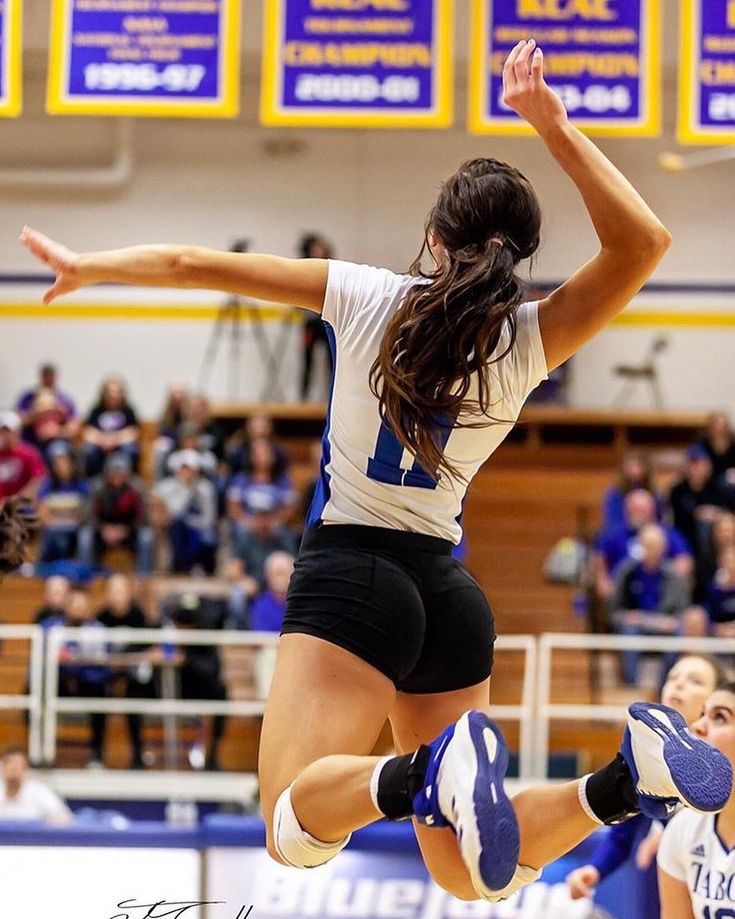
[169,706]
[32,702]
[546,711]
[523,713]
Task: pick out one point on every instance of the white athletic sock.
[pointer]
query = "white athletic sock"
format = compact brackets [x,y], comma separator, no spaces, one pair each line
[374,779]
[585,804]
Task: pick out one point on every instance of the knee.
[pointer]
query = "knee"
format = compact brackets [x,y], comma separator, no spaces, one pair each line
[457,885]
[288,842]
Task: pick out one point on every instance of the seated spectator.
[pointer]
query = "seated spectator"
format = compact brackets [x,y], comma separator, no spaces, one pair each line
[117,518]
[111,427]
[256,427]
[196,414]
[263,535]
[200,676]
[83,673]
[635,472]
[46,413]
[651,599]
[122,611]
[187,438]
[267,612]
[721,535]
[23,797]
[21,466]
[259,486]
[612,548]
[56,593]
[63,506]
[242,589]
[720,602]
[719,442]
[171,418]
[184,505]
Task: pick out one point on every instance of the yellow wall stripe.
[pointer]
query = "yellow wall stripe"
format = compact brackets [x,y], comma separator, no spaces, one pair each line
[185,312]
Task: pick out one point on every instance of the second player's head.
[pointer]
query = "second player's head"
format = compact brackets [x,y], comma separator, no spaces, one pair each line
[690,682]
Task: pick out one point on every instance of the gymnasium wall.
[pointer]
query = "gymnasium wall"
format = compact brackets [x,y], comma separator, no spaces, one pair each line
[209,182]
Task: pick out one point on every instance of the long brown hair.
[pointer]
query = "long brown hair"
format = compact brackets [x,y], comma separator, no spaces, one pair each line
[17,521]
[487,219]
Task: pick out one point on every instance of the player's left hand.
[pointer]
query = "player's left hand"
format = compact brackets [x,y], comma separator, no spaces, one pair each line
[526,91]
[62,261]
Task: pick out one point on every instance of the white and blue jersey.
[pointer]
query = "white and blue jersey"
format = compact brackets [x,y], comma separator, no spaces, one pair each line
[367,478]
[691,851]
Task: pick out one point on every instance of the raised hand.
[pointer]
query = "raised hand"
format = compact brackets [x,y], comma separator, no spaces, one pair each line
[62,261]
[582,882]
[526,91]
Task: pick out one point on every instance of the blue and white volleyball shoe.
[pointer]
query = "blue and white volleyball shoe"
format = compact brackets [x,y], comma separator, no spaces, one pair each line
[669,764]
[463,789]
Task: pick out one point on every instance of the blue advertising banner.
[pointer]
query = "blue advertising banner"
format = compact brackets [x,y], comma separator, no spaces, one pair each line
[707,75]
[357,63]
[601,56]
[165,58]
[10,58]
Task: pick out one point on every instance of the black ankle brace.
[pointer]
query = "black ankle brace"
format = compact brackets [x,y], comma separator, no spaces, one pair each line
[400,780]
[611,794]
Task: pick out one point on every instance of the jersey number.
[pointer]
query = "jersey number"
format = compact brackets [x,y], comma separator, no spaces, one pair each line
[721,913]
[385,465]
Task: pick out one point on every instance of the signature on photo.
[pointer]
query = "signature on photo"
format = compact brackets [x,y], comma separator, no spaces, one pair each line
[164,909]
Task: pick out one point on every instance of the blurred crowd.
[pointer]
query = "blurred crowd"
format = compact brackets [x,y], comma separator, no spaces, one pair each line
[663,562]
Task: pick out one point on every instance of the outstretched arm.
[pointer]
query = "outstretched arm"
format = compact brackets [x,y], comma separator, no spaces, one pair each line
[300,282]
[632,238]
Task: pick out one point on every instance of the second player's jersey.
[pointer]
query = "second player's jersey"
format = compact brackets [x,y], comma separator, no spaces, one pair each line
[367,477]
[692,852]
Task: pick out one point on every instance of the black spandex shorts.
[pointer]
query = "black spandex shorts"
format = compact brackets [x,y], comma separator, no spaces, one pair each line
[398,600]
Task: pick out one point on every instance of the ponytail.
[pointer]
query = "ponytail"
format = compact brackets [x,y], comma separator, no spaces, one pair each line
[17,522]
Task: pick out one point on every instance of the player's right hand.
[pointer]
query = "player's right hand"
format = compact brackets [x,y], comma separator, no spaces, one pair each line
[582,882]
[62,261]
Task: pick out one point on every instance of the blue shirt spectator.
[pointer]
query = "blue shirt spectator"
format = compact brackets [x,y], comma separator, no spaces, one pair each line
[269,607]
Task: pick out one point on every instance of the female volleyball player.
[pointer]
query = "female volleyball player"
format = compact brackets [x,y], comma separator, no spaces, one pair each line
[431,371]
[688,685]
[696,860]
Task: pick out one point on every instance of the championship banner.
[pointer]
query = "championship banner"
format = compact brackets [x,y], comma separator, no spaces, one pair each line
[707,75]
[603,57]
[382,64]
[11,41]
[165,58]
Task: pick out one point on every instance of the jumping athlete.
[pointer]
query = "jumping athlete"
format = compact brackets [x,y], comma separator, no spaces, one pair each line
[431,371]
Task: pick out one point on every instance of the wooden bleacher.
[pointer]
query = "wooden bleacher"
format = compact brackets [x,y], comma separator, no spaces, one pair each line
[527,498]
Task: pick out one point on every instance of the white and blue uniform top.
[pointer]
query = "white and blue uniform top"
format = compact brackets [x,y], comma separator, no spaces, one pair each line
[692,852]
[367,478]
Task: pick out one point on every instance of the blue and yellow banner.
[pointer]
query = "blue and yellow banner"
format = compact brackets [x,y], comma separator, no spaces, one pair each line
[165,58]
[357,63]
[707,75]
[11,41]
[603,57]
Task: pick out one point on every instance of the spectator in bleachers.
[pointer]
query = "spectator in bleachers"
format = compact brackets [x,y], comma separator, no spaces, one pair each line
[25,798]
[262,536]
[719,442]
[313,245]
[46,413]
[63,506]
[122,611]
[239,447]
[56,593]
[200,676]
[614,547]
[267,612]
[83,672]
[171,418]
[721,536]
[184,506]
[197,415]
[21,466]
[696,500]
[635,472]
[721,595]
[260,484]
[650,598]
[117,518]
[111,427]
[243,588]
[188,438]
